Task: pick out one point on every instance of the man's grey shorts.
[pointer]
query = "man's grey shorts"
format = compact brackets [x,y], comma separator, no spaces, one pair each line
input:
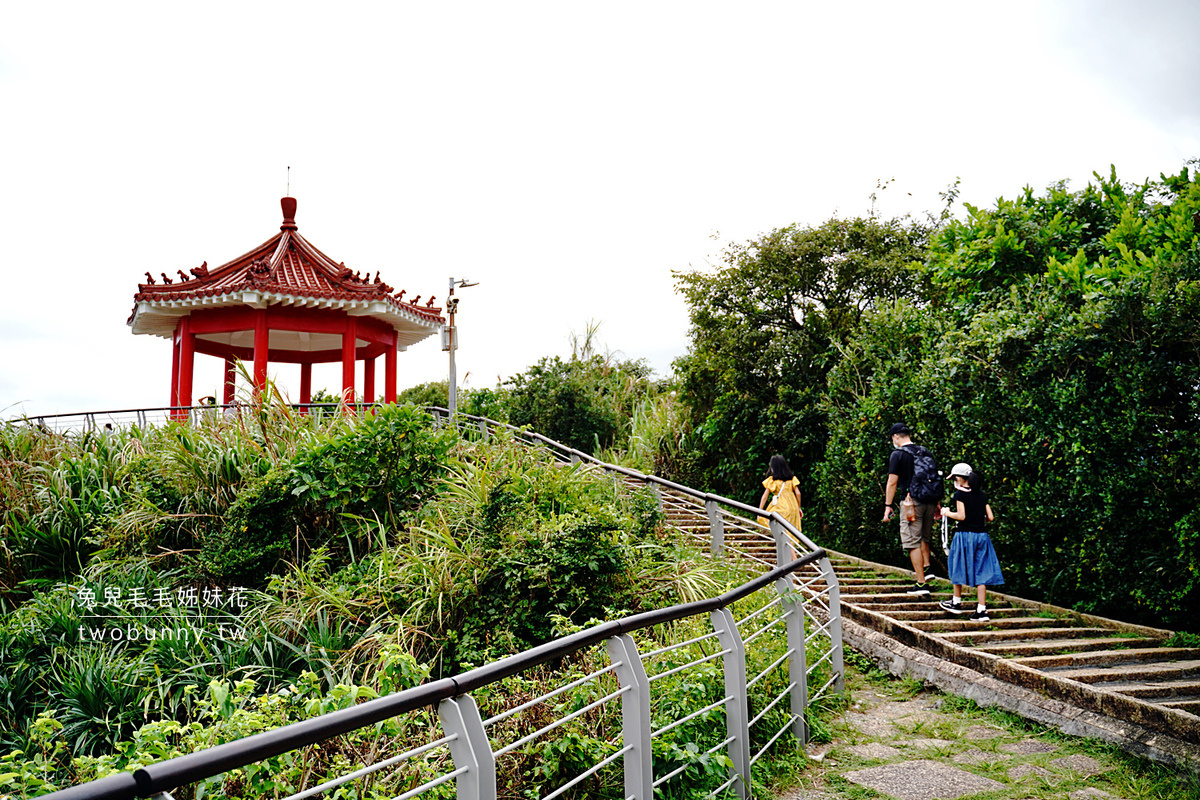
[920,529]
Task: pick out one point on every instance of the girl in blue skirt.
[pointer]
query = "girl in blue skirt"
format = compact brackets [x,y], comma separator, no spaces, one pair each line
[972,558]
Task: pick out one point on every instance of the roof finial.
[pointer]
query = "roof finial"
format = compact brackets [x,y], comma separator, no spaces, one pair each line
[289,213]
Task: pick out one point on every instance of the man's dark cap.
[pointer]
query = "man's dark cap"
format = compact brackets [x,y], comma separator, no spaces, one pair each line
[899,427]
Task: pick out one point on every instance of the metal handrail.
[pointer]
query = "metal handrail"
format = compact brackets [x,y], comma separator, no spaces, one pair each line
[191,768]
[453,695]
[573,454]
[780,527]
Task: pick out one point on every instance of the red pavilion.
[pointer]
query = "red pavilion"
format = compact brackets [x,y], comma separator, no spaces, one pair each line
[284,301]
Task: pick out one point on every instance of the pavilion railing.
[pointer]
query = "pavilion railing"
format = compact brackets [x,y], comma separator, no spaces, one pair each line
[802,611]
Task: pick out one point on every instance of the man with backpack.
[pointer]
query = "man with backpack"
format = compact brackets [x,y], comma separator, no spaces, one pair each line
[913,479]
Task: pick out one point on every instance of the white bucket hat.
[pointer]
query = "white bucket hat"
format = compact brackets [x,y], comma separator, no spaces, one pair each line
[961,469]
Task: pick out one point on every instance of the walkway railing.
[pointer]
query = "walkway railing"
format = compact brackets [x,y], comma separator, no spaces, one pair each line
[756,711]
[142,417]
[825,601]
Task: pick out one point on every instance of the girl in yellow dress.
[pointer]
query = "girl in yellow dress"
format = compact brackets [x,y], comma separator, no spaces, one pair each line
[782,490]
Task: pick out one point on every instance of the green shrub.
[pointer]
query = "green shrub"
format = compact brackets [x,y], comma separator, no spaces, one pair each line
[581,403]
[382,466]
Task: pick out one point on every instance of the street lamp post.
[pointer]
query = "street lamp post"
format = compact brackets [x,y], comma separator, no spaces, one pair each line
[452,341]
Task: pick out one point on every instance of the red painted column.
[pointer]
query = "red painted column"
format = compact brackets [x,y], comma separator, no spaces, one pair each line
[262,336]
[187,360]
[369,380]
[174,369]
[230,382]
[306,383]
[349,344]
[389,377]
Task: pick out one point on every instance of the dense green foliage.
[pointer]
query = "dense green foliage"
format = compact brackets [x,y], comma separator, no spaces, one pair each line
[1049,341]
[410,554]
[767,328]
[581,402]
[230,710]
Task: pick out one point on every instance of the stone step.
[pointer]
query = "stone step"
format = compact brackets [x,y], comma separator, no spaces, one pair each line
[878,580]
[1190,706]
[1159,690]
[1055,646]
[1174,670]
[983,636]
[883,600]
[849,587]
[1109,657]
[933,613]
[947,623]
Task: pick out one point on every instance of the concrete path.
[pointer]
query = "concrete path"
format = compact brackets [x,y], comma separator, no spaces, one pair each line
[929,746]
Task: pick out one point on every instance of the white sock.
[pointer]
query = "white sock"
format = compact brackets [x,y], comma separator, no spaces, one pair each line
[980,607]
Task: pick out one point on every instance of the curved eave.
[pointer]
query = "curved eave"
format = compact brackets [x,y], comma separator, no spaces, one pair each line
[159,317]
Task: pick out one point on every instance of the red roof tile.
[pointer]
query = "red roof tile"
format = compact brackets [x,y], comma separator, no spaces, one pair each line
[286,268]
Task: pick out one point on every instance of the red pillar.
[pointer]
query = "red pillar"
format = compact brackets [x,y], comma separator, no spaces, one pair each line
[187,360]
[175,368]
[349,343]
[262,335]
[369,380]
[305,383]
[230,382]
[389,377]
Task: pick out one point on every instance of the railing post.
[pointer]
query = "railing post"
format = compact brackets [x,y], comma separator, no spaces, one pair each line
[635,717]
[785,553]
[835,623]
[737,702]
[658,498]
[437,419]
[470,749]
[716,527]
[793,609]
[483,429]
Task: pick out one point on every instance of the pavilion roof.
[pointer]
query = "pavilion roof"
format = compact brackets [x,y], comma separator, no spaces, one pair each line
[286,269]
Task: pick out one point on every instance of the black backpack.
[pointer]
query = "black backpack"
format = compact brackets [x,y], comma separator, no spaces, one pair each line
[926,484]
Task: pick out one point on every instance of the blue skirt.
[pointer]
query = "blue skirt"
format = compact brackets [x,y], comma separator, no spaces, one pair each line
[973,560]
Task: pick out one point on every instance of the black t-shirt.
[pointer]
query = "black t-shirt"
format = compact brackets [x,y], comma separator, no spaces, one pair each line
[976,507]
[900,464]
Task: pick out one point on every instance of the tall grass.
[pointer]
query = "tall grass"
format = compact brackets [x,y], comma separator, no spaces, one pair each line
[444,572]
[654,437]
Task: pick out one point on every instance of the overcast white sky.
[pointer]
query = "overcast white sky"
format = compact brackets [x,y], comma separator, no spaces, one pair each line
[567,156]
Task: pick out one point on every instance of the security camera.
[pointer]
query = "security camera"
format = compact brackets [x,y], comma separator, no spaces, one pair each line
[452,305]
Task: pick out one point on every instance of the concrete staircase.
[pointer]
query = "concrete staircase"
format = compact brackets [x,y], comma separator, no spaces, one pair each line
[1126,676]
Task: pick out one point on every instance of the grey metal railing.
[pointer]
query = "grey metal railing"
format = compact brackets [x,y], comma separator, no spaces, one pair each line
[725,524]
[803,610]
[142,417]
[471,752]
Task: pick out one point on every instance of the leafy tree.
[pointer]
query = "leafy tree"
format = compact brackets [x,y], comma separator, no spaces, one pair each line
[1074,394]
[584,401]
[1049,341]
[434,393]
[766,328]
